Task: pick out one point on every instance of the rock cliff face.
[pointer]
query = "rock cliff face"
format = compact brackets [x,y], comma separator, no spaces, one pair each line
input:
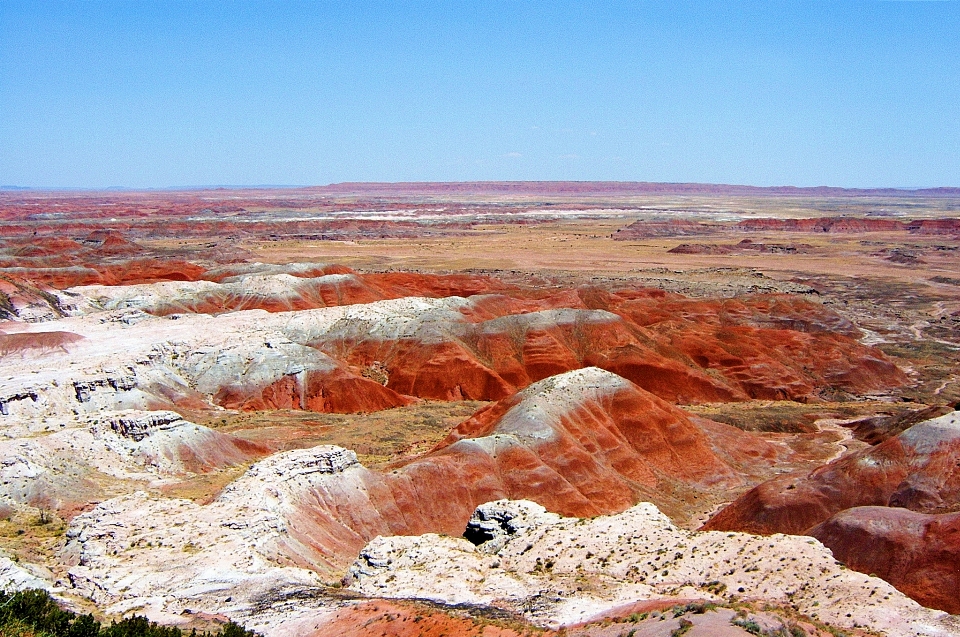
[916,552]
[14,577]
[558,571]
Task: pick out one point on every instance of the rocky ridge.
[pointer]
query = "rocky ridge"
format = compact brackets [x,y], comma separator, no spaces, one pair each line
[560,571]
[891,509]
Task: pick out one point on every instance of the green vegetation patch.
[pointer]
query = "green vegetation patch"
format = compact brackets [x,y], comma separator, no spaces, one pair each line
[33,613]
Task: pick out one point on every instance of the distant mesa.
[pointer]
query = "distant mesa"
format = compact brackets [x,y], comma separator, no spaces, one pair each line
[747,245]
[612,187]
[825,224]
[644,229]
[671,228]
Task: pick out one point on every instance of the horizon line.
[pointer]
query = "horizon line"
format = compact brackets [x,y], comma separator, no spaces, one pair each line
[661,186]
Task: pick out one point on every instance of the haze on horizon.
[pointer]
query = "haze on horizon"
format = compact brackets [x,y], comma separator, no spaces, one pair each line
[165,94]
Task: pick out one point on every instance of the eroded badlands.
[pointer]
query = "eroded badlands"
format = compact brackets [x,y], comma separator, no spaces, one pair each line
[147,463]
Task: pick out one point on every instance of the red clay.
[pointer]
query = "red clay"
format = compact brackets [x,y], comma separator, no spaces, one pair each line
[918,553]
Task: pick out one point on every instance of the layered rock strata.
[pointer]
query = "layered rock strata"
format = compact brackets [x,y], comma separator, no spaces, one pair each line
[916,469]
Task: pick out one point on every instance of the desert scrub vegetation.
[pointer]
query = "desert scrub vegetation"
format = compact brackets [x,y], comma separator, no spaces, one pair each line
[33,613]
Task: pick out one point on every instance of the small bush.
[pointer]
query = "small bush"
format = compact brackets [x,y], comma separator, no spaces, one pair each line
[683,629]
[748,625]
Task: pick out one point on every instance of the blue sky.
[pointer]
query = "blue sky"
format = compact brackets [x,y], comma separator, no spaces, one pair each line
[167,93]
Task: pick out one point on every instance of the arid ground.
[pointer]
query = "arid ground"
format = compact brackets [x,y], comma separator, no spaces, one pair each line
[214,401]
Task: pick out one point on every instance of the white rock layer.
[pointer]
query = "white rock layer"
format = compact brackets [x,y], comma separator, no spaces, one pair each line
[560,571]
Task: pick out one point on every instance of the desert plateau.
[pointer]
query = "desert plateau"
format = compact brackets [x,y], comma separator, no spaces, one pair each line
[485,408]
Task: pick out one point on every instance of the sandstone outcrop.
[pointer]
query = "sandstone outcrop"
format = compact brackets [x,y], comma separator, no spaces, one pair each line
[60,470]
[169,559]
[130,360]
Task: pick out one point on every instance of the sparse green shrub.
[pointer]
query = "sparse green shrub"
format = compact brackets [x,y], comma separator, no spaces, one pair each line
[748,625]
[34,612]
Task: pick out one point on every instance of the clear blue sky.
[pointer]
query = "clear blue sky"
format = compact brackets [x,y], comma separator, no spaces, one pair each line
[166,93]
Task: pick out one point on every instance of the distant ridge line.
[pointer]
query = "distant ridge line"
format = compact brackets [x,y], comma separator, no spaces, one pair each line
[619,187]
[572,188]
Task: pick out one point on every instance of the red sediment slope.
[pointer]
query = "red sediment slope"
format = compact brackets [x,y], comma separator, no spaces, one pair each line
[918,553]
[916,470]
[323,286]
[507,336]
[125,272]
[101,257]
[583,443]
[683,350]
[328,391]
[393,618]
[492,359]
[205,451]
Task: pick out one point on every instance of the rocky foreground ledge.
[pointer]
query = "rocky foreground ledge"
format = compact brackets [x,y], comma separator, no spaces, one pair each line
[244,557]
[564,571]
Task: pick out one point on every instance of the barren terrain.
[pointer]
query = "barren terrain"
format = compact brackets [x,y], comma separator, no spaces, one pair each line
[265,405]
